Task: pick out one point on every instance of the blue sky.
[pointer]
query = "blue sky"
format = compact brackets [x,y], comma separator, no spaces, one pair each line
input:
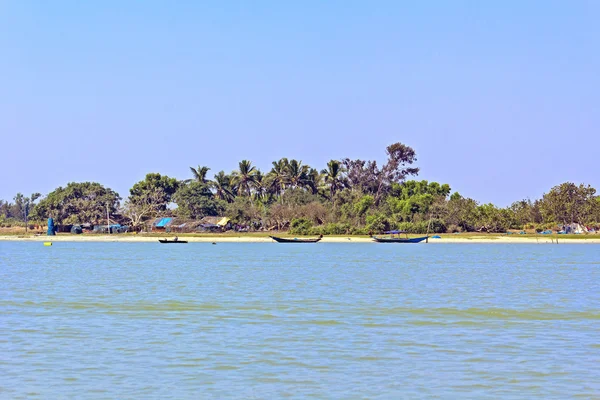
[499,99]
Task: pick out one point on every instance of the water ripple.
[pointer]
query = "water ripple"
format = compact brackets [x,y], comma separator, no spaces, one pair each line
[115,320]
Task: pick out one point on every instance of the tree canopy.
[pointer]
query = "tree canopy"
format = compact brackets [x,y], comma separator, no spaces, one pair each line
[83,202]
[346,196]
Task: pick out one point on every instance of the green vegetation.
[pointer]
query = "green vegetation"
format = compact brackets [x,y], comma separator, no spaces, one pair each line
[346,197]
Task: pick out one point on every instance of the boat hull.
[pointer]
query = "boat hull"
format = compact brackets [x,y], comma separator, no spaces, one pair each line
[400,240]
[172,241]
[295,240]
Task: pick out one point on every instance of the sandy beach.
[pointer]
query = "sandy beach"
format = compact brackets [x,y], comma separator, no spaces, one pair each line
[265,239]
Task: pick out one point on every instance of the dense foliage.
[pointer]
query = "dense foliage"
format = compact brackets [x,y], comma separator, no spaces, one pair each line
[85,202]
[345,197]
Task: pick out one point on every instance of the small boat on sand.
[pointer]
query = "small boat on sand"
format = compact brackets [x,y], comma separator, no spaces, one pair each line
[295,240]
[397,239]
[172,241]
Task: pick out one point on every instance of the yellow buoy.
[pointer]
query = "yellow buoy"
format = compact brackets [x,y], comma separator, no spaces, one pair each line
[47,243]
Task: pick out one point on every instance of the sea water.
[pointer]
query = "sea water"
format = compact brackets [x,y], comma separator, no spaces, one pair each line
[325,320]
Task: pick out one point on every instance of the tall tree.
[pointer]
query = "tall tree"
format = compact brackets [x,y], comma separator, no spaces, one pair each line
[396,169]
[245,177]
[143,207]
[279,176]
[195,200]
[334,176]
[23,205]
[221,184]
[314,181]
[461,212]
[362,175]
[568,203]
[524,212]
[156,188]
[199,174]
[261,186]
[297,174]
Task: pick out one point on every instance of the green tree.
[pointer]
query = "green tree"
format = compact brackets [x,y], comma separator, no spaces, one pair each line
[278,176]
[492,219]
[244,178]
[221,184]
[410,198]
[334,177]
[199,174]
[84,202]
[461,212]
[362,206]
[524,212]
[569,203]
[396,169]
[155,189]
[243,211]
[297,174]
[314,181]
[195,200]
[261,187]
[23,205]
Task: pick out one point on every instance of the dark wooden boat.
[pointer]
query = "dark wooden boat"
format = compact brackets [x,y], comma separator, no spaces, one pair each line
[171,241]
[397,239]
[295,240]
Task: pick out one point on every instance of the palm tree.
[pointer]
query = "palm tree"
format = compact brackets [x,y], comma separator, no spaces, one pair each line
[244,178]
[199,174]
[261,183]
[297,174]
[221,183]
[334,176]
[279,176]
[314,180]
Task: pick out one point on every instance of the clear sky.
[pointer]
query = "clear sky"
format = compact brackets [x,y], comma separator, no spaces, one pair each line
[500,99]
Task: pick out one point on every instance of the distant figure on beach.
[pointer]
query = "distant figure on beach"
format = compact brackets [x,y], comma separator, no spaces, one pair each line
[176,238]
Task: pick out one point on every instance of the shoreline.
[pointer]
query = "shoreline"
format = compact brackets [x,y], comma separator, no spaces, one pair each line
[502,239]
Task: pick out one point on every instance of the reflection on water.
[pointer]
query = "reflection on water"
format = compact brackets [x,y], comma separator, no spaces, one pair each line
[140,320]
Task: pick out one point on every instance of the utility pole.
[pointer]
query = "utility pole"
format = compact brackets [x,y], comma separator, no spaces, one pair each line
[107,219]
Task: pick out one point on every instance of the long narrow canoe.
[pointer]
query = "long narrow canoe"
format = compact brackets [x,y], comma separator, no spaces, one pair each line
[171,241]
[400,240]
[294,240]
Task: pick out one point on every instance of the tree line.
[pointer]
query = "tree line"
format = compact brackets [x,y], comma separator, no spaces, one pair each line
[346,197]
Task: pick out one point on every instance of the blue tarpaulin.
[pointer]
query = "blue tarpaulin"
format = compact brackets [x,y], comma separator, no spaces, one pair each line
[163,222]
[51,227]
[394,232]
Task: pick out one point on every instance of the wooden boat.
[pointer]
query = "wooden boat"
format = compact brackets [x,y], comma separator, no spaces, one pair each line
[397,239]
[171,241]
[295,240]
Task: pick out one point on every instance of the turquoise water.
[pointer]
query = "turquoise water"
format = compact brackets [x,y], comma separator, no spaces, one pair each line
[266,321]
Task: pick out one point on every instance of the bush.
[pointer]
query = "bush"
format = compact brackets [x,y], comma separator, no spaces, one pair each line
[336,229]
[301,226]
[454,228]
[421,227]
[359,231]
[437,226]
[317,230]
[377,223]
[413,227]
[545,226]
[10,222]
